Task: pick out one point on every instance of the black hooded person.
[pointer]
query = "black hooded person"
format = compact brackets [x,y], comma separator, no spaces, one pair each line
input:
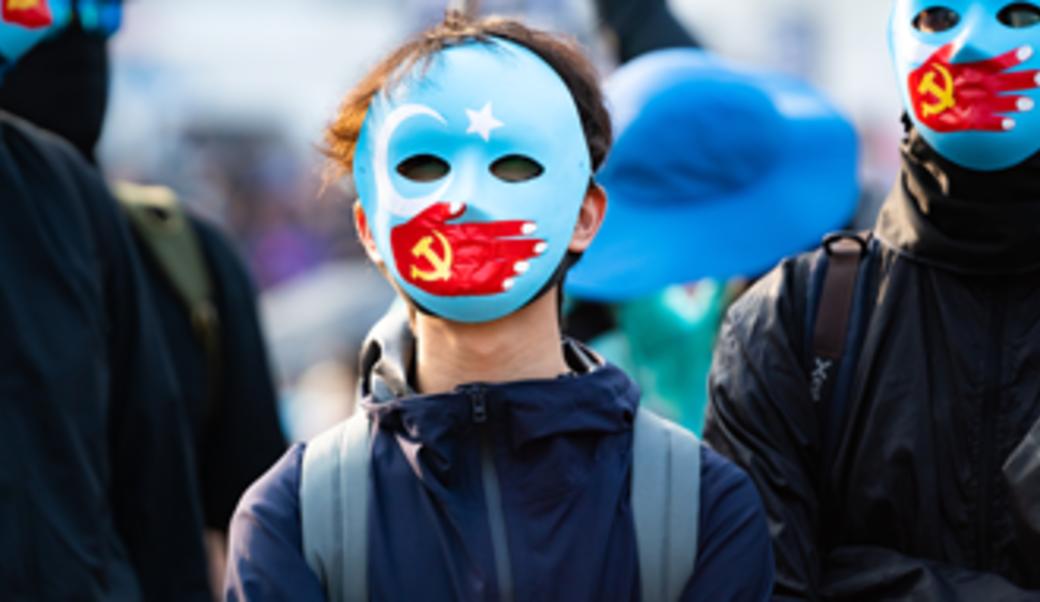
[97,496]
[884,394]
[203,294]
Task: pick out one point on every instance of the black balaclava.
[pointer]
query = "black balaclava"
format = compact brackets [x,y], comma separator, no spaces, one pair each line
[62,86]
[984,222]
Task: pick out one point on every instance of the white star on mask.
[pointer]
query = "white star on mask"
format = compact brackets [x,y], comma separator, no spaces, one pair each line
[482,122]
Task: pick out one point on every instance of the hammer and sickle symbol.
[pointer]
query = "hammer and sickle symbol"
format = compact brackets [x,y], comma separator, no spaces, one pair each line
[441,264]
[22,4]
[943,94]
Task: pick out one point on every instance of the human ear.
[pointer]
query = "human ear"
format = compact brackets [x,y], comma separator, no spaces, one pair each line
[590,218]
[364,234]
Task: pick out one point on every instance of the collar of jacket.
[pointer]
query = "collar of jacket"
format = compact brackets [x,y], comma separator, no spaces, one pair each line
[960,219]
[596,398]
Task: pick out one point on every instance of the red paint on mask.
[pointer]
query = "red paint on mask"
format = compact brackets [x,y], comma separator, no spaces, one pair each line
[32,14]
[473,258]
[957,97]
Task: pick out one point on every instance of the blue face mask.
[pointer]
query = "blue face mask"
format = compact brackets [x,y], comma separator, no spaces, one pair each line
[968,71]
[471,173]
[25,23]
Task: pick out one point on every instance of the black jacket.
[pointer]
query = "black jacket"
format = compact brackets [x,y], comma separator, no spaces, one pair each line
[62,86]
[915,503]
[97,497]
[234,423]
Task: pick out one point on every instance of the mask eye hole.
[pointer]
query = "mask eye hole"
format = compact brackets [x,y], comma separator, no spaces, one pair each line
[1019,15]
[423,168]
[936,19]
[516,168]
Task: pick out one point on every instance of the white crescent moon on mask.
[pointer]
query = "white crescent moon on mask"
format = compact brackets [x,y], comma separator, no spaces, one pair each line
[396,203]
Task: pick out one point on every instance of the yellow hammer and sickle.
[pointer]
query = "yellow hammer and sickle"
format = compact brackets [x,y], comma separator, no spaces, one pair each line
[441,263]
[943,94]
[22,4]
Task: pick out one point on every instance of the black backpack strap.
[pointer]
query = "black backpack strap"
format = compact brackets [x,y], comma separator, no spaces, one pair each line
[837,323]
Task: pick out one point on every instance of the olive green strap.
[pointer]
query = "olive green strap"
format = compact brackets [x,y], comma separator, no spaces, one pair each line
[163,227]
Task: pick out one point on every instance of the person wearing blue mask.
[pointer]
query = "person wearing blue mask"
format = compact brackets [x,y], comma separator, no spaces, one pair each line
[883,392]
[97,498]
[492,458]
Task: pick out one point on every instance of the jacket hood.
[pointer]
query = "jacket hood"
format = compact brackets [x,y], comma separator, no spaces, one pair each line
[961,219]
[595,398]
[62,86]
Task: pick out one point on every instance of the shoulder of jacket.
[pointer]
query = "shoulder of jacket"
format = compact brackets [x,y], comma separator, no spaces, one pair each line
[780,297]
[274,496]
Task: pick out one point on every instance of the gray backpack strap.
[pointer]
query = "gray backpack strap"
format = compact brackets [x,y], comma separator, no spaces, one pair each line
[334,509]
[666,479]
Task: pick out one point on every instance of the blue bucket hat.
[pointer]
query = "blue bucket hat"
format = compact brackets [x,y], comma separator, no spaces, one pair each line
[717,172]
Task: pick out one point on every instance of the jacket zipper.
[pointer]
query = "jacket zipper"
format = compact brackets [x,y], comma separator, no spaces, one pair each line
[492,497]
[990,413]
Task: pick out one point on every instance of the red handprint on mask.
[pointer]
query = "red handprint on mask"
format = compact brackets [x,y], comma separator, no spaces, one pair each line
[474,258]
[957,97]
[27,13]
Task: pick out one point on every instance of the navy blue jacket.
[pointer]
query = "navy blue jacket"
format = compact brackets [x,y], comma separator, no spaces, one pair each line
[562,452]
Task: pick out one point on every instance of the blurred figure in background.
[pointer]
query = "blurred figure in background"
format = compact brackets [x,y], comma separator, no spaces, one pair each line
[884,392]
[636,27]
[718,172]
[202,293]
[97,488]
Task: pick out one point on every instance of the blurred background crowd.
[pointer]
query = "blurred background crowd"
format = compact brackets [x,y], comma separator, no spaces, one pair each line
[225,103]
